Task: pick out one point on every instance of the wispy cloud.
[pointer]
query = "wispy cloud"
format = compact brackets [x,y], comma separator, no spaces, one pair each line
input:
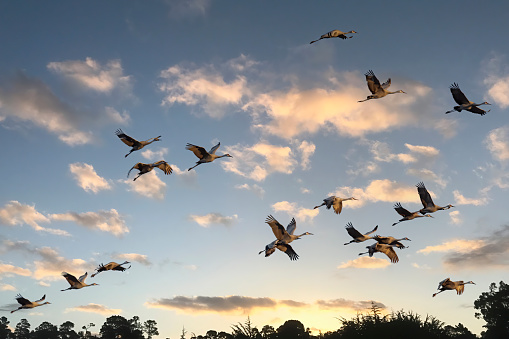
[92,75]
[105,221]
[87,178]
[29,99]
[155,155]
[14,213]
[140,258]
[379,190]
[497,80]
[461,200]
[7,270]
[459,246]
[293,210]
[497,143]
[213,218]
[455,217]
[94,308]
[236,304]
[148,185]
[259,191]
[365,262]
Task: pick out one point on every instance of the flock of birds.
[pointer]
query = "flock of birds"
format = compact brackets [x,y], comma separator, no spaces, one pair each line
[284,236]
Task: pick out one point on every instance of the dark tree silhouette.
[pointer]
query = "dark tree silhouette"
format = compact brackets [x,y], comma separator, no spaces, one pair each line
[5,331]
[117,326]
[150,328]
[66,331]
[459,332]
[292,329]
[45,330]
[22,330]
[493,307]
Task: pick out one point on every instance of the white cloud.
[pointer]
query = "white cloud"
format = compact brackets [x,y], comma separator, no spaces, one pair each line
[9,270]
[455,217]
[459,245]
[140,258]
[306,149]
[203,87]
[214,218]
[87,178]
[105,221]
[497,143]
[15,213]
[92,75]
[259,191]
[115,116]
[258,161]
[188,177]
[148,185]
[94,308]
[461,200]
[7,287]
[365,262]
[155,155]
[497,78]
[379,190]
[293,210]
[31,100]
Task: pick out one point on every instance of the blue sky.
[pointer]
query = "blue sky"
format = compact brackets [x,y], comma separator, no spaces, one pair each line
[244,74]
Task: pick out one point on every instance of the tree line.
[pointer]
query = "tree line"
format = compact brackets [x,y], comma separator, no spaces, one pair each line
[492,306]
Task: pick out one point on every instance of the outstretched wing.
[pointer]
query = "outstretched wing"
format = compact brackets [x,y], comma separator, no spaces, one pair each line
[129,141]
[71,279]
[269,249]
[373,231]
[163,166]
[388,251]
[337,205]
[199,151]
[386,84]
[424,195]
[352,231]
[291,226]
[277,228]
[214,149]
[477,110]
[288,250]
[373,83]
[458,95]
[83,277]
[22,301]
[42,299]
[402,211]
[445,281]
[137,166]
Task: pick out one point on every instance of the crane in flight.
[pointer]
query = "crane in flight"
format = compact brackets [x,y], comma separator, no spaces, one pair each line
[335,202]
[356,235]
[135,144]
[447,284]
[76,283]
[427,202]
[464,103]
[377,90]
[205,156]
[406,214]
[382,248]
[335,34]
[390,241]
[25,303]
[145,168]
[111,266]
[286,248]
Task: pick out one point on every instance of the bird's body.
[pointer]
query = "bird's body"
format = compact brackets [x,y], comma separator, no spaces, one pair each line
[378,90]
[25,303]
[111,266]
[464,103]
[406,214]
[203,155]
[271,248]
[76,283]
[447,284]
[427,202]
[390,241]
[135,144]
[335,202]
[335,34]
[382,248]
[283,238]
[145,168]
[356,235]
